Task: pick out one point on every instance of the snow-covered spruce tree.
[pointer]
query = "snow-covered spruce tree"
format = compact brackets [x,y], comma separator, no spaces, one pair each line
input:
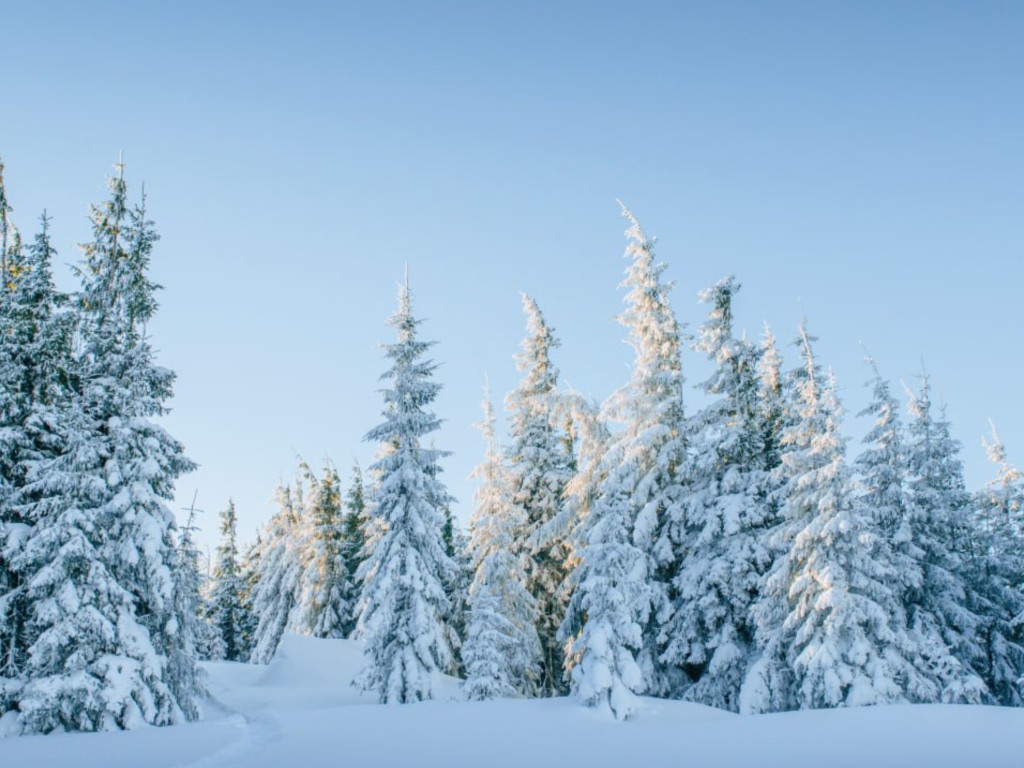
[539,467]
[502,652]
[456,546]
[611,602]
[882,468]
[101,557]
[35,375]
[194,576]
[829,615]
[353,538]
[996,575]
[276,594]
[327,598]
[226,612]
[403,602]
[185,677]
[727,513]
[882,472]
[249,572]
[590,436]
[13,617]
[645,463]
[938,535]
[624,544]
[772,402]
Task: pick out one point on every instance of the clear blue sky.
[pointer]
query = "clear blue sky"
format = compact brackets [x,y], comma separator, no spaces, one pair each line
[860,164]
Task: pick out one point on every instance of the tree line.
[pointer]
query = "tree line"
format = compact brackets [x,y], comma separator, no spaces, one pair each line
[733,556]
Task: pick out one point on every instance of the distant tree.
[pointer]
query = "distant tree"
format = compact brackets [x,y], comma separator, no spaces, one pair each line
[226,609]
[502,651]
[249,572]
[280,570]
[403,602]
[327,595]
[353,539]
[185,678]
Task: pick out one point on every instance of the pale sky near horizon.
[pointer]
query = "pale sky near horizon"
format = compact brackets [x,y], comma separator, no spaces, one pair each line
[857,164]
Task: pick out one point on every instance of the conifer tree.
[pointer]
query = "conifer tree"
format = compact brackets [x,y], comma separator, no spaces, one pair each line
[276,594]
[226,610]
[772,405]
[35,373]
[539,468]
[882,469]
[457,591]
[645,461]
[354,536]
[249,572]
[830,620]
[939,615]
[502,652]
[727,514]
[327,595]
[102,553]
[996,571]
[610,603]
[591,437]
[488,634]
[403,601]
[186,680]
[12,447]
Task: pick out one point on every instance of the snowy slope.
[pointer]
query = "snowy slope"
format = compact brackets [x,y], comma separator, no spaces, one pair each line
[301,711]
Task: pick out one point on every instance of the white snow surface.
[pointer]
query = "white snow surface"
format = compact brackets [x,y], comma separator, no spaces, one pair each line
[301,710]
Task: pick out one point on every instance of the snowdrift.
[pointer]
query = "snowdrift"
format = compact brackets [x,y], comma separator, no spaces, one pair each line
[301,710]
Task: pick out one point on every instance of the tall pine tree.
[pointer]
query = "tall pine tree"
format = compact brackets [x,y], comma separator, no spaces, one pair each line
[996,572]
[937,536]
[830,621]
[539,468]
[646,460]
[102,553]
[728,511]
[403,601]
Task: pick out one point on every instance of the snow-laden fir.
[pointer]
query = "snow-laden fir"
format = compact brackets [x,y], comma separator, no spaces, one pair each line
[403,604]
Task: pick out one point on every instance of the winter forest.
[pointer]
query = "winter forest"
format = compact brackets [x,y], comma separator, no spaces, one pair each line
[738,555]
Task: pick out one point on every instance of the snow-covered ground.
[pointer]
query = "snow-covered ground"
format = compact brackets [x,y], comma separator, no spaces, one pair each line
[301,711]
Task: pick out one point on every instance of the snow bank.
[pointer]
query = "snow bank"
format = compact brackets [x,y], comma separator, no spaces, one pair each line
[302,711]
